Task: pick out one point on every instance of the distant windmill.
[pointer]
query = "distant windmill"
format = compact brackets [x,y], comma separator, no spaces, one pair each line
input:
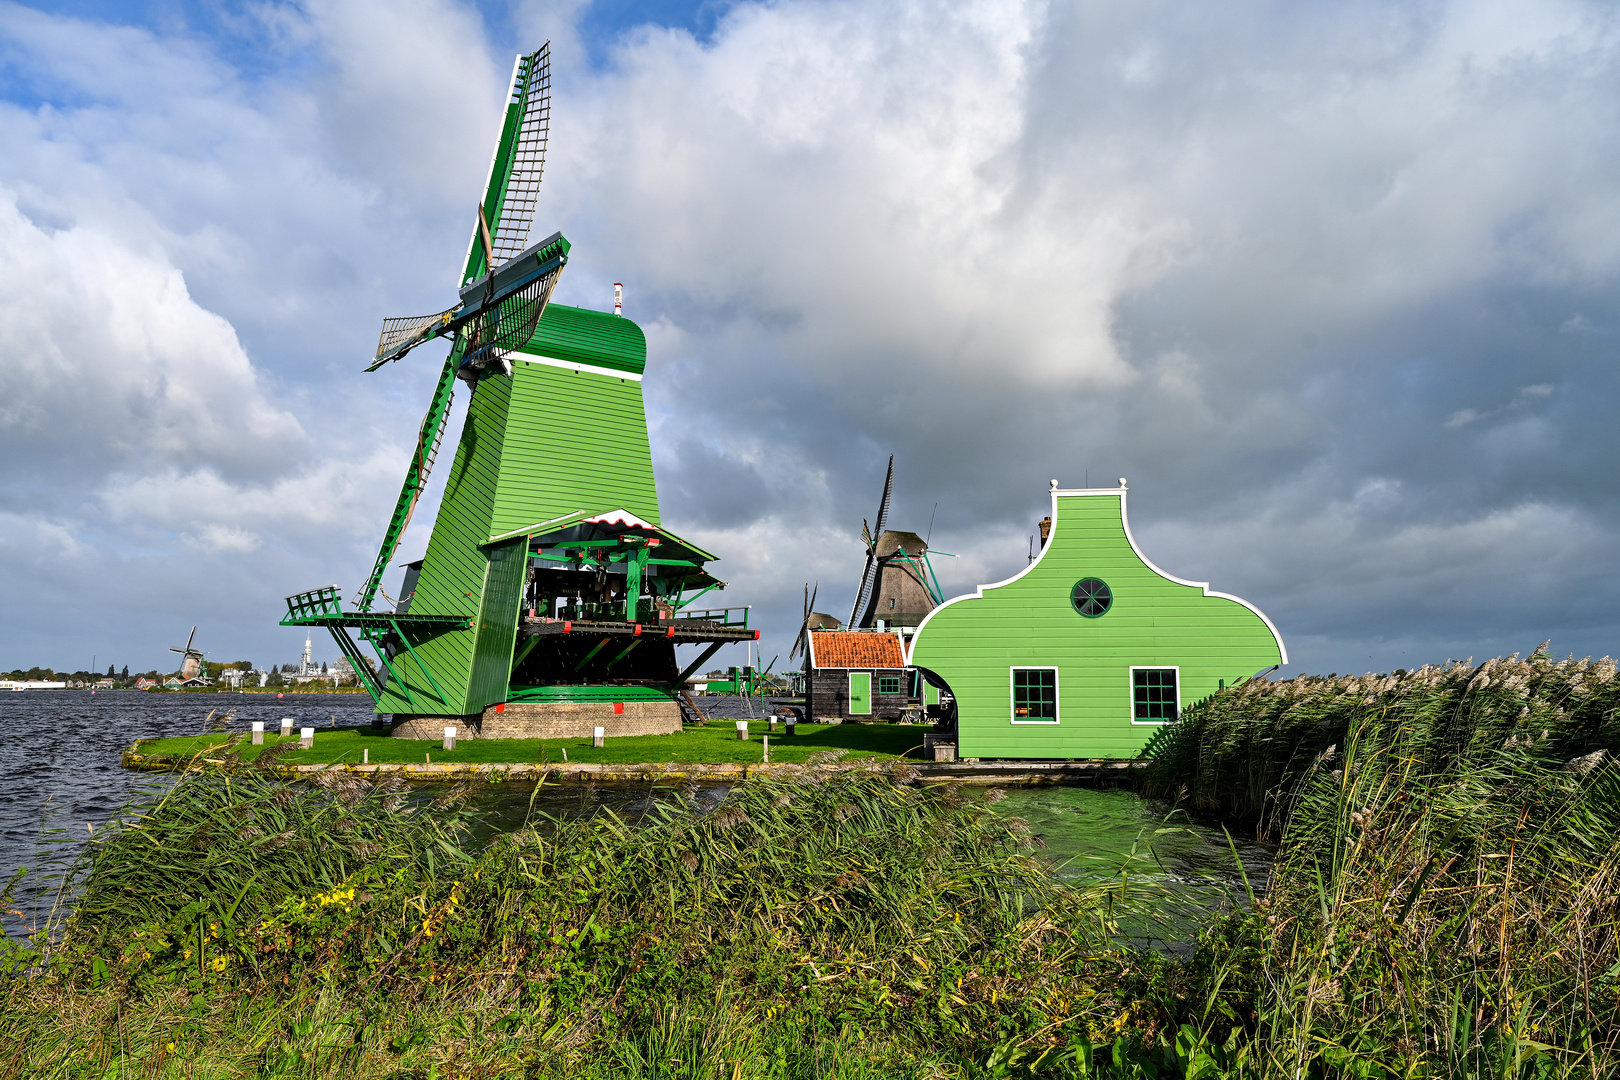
[192,663]
[869,536]
[802,642]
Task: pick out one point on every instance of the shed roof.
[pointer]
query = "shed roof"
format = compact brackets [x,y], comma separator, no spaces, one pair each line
[855,649]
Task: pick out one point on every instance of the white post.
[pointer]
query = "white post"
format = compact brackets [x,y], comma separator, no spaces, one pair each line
[766,740]
[742,731]
[450,738]
[365,756]
[286,727]
[258,733]
[791,726]
[598,736]
[306,738]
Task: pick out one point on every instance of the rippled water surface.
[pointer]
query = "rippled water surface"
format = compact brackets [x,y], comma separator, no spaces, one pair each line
[60,764]
[60,752]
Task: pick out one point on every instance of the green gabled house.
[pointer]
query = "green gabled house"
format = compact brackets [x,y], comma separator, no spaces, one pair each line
[1091,648]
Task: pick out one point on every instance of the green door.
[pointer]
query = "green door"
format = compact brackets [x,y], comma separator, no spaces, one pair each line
[860,693]
[930,694]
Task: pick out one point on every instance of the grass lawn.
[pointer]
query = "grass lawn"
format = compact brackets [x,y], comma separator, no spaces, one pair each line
[714,742]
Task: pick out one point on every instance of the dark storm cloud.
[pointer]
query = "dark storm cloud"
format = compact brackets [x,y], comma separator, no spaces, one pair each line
[1333,286]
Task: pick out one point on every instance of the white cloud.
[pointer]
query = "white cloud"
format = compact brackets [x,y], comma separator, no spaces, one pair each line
[1308,280]
[110,365]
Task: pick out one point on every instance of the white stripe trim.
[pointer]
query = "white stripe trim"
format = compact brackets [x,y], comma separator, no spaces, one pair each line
[589,369]
[1124,519]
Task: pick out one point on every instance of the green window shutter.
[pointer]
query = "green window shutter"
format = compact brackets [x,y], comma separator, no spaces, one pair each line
[860,693]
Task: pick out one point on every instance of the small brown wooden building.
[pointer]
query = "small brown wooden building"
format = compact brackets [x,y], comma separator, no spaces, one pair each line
[856,675]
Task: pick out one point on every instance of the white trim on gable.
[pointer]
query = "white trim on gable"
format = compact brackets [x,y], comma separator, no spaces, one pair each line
[1125,520]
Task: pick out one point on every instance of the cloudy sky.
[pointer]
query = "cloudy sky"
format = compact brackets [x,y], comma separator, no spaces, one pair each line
[1333,285]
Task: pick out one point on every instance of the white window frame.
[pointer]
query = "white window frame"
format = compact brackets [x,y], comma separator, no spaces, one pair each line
[1130,693]
[1057,694]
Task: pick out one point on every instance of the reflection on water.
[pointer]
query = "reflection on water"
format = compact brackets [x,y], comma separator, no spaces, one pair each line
[1170,870]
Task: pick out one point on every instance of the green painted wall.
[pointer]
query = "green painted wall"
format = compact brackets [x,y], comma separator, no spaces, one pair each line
[575,440]
[973,641]
[548,441]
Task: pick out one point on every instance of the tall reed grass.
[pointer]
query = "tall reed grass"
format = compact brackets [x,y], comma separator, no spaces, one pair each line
[1445,899]
[851,927]
[1444,904]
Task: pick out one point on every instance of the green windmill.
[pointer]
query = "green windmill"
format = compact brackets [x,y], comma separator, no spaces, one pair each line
[550,599]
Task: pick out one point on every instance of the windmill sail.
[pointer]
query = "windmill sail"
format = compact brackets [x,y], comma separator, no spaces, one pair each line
[506,282]
[514,212]
[505,286]
[802,642]
[401,335]
[869,575]
[502,309]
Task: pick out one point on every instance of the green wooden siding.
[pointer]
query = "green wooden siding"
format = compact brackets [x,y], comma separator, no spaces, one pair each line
[591,337]
[574,441]
[545,442]
[973,642]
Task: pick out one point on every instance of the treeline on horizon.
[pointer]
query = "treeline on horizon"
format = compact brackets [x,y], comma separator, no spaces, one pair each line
[212,669]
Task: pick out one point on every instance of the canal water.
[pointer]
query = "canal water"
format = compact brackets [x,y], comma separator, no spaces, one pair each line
[60,773]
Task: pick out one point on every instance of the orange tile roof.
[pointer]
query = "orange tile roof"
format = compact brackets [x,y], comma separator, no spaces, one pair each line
[853,649]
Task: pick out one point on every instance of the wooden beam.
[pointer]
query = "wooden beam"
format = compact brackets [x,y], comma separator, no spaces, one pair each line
[710,651]
[633,643]
[592,654]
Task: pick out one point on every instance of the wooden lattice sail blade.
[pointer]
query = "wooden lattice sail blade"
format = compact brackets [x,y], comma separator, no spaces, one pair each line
[401,335]
[427,447]
[526,158]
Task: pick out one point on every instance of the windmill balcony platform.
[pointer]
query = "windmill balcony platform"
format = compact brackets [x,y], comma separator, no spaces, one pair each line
[680,631]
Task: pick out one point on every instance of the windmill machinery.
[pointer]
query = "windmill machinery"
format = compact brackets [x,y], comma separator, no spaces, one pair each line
[505,285]
[191,663]
[870,536]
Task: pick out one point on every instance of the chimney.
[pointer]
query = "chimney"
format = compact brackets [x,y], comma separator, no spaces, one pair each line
[618,298]
[1046,530]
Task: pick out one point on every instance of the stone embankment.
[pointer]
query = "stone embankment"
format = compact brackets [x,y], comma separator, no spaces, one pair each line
[990,773]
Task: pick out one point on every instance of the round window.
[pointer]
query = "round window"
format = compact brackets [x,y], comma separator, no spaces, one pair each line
[1091,597]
